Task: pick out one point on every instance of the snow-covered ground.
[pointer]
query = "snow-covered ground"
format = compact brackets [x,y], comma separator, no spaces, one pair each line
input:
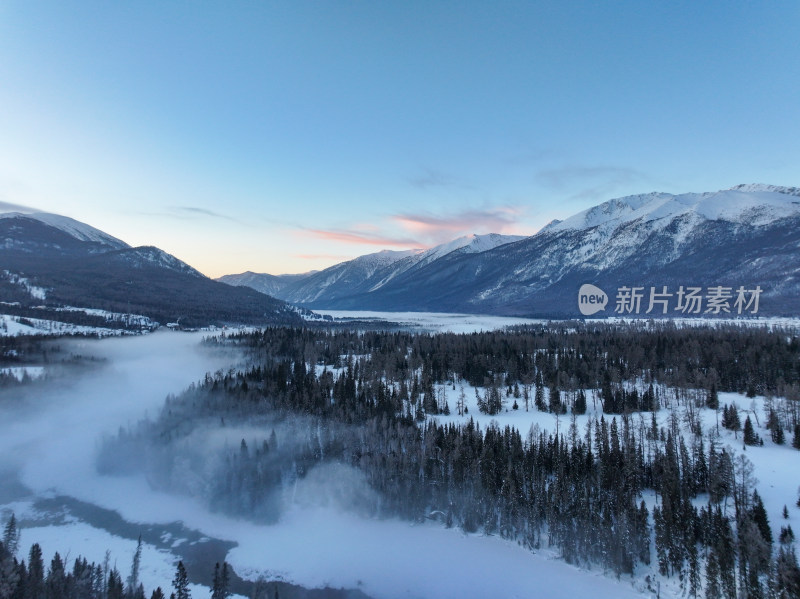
[392,559]
[17,325]
[12,326]
[52,443]
[157,567]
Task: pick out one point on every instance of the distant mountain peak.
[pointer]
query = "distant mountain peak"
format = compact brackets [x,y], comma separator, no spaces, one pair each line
[148,255]
[384,257]
[763,187]
[754,204]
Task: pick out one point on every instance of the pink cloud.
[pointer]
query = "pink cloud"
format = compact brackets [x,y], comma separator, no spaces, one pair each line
[360,238]
[323,256]
[438,229]
[425,230]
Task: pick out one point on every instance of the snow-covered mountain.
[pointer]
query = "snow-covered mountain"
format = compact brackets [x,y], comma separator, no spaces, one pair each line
[42,231]
[748,236]
[743,204]
[372,272]
[51,261]
[148,256]
[263,282]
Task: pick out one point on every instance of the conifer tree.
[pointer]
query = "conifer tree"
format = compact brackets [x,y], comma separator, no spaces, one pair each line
[555,400]
[115,590]
[712,399]
[775,428]
[220,588]
[55,583]
[539,398]
[713,590]
[35,582]
[580,403]
[133,579]
[181,583]
[750,436]
[759,514]
[11,535]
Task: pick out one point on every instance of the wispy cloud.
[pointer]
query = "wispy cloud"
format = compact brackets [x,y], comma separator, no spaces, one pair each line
[323,256]
[430,177]
[355,237]
[11,207]
[195,211]
[592,182]
[438,229]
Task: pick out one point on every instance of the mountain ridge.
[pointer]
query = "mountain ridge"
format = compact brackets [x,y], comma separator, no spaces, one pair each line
[748,234]
[70,226]
[50,262]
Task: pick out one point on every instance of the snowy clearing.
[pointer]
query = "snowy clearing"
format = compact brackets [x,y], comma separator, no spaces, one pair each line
[18,325]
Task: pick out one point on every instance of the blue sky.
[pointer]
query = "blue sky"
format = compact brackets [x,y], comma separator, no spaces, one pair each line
[288,136]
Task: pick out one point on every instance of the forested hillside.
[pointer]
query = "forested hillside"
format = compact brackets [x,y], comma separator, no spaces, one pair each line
[636,476]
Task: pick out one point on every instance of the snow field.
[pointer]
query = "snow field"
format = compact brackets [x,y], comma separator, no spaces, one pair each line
[11,326]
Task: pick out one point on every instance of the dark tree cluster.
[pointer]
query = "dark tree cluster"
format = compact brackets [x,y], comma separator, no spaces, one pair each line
[568,357]
[31,579]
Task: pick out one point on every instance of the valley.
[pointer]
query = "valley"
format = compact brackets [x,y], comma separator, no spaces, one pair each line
[319,506]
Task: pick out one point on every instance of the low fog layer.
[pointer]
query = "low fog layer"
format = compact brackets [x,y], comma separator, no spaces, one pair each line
[52,435]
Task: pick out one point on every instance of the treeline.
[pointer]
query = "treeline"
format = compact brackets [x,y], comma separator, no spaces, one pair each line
[127,322]
[85,580]
[564,360]
[40,351]
[741,359]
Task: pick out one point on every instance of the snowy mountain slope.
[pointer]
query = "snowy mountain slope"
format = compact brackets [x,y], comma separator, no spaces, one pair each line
[468,244]
[372,272]
[263,282]
[343,278]
[743,204]
[70,226]
[150,256]
[748,235]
